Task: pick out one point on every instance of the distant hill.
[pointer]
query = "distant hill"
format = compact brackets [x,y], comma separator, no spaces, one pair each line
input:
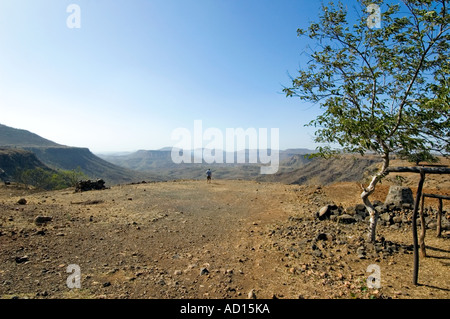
[142,160]
[160,162]
[295,167]
[150,160]
[57,156]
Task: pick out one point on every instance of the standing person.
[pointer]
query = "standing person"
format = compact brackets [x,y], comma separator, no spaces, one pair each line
[208,175]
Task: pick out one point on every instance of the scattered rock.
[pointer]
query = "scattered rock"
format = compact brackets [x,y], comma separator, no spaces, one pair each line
[42,219]
[346,219]
[161,282]
[22,201]
[322,236]
[381,209]
[351,211]
[324,212]
[21,260]
[407,206]
[251,294]
[361,252]
[386,217]
[397,219]
[328,210]
[399,195]
[204,271]
[83,186]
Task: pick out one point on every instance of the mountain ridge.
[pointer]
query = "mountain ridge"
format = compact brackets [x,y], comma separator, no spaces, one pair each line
[56,156]
[15,137]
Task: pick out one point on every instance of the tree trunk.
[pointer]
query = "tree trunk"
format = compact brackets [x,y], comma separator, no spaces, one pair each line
[368,191]
[372,213]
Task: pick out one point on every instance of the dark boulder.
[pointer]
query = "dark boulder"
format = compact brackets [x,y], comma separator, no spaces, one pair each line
[399,196]
[83,186]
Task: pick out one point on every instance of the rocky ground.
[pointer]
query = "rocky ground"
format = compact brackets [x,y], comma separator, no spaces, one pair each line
[227,239]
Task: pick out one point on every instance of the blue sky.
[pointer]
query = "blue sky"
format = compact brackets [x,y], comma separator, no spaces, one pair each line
[138,69]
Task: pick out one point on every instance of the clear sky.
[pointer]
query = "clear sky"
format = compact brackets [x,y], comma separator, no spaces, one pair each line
[136,70]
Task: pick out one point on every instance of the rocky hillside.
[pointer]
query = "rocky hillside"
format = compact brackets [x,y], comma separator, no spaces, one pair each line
[319,171]
[14,161]
[69,158]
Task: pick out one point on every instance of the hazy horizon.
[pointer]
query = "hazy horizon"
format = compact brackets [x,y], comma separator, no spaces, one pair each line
[168,149]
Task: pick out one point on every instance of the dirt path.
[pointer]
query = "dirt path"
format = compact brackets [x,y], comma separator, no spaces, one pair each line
[158,240]
[189,239]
